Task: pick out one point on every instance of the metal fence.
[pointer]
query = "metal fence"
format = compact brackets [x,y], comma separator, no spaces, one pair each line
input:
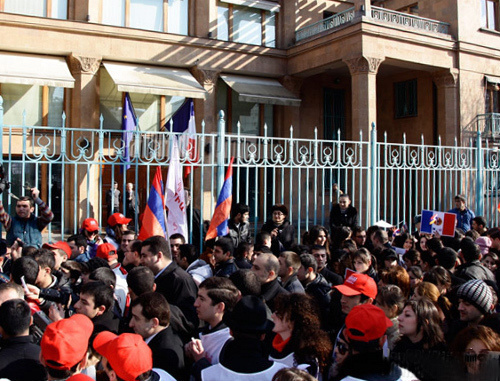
[75,167]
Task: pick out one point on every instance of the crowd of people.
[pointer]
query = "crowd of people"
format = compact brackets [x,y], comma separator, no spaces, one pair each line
[347,303]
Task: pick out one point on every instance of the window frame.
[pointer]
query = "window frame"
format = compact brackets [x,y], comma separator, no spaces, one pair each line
[492,89]
[164,15]
[48,9]
[406,87]
[263,24]
[496,14]
[45,104]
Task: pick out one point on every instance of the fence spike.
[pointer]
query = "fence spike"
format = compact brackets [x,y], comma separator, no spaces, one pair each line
[101,121]
[203,126]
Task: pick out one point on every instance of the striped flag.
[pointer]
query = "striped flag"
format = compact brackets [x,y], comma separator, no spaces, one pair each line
[218,225]
[153,222]
[174,195]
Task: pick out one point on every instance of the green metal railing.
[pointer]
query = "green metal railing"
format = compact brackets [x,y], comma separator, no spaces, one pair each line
[75,167]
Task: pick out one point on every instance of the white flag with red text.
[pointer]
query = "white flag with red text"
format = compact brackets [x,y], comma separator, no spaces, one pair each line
[174,195]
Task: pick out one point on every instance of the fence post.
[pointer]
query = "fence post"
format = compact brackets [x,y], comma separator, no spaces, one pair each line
[372,168]
[479,178]
[221,131]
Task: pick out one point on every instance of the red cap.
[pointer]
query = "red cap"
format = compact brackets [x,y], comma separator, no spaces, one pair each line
[58,245]
[80,377]
[65,342]
[128,354]
[365,323]
[90,224]
[118,219]
[106,251]
[357,284]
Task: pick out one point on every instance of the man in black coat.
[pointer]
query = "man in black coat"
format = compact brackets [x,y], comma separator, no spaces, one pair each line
[281,230]
[19,358]
[151,320]
[266,267]
[343,214]
[175,284]
[239,228]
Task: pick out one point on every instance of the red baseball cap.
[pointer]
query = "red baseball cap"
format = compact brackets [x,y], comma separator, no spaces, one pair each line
[128,354]
[90,224]
[118,219]
[365,323]
[80,377]
[65,342]
[106,251]
[357,284]
[58,245]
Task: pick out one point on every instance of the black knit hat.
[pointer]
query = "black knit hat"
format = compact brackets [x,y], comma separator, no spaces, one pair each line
[248,315]
[477,293]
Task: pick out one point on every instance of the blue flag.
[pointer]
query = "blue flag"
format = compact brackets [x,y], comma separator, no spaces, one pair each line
[128,127]
[181,117]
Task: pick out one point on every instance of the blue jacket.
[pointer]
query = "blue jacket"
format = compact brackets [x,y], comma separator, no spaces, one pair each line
[464,218]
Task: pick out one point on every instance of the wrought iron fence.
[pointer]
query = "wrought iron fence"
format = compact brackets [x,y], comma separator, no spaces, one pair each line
[75,167]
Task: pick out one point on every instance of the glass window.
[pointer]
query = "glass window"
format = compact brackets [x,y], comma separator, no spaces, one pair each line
[178,17]
[113,12]
[146,14]
[26,7]
[56,106]
[245,113]
[405,99]
[248,114]
[59,9]
[270,29]
[223,23]
[489,14]
[19,99]
[247,25]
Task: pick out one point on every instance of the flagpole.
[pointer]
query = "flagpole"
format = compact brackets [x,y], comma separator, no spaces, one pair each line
[221,132]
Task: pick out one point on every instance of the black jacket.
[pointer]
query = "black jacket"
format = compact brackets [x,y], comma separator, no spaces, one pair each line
[270,290]
[108,321]
[240,233]
[19,360]
[226,268]
[285,238]
[338,219]
[293,285]
[168,353]
[179,288]
[474,270]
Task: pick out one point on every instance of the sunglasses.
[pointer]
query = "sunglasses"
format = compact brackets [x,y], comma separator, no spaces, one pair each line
[343,348]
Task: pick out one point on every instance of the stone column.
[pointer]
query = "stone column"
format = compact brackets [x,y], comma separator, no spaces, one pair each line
[364,112]
[85,94]
[447,105]
[364,93]
[84,114]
